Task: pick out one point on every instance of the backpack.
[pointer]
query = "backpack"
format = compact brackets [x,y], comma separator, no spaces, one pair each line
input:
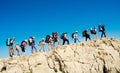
[100,28]
[8,42]
[83,33]
[23,44]
[53,34]
[47,38]
[72,35]
[30,43]
[62,36]
[92,31]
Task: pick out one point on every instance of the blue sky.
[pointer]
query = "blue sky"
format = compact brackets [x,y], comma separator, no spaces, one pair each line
[23,18]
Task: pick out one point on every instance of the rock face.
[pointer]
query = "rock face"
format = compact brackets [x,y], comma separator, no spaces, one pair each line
[100,56]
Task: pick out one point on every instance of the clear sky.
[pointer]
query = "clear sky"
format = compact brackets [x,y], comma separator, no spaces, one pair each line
[23,18]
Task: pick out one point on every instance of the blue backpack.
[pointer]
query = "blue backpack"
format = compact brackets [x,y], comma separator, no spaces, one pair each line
[8,40]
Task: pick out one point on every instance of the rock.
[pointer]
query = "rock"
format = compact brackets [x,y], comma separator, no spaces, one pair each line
[1,65]
[100,56]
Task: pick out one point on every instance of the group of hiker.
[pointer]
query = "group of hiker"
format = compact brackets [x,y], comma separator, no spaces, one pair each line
[52,40]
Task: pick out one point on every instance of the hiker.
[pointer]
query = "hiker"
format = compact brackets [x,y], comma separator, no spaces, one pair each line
[17,49]
[42,45]
[9,43]
[64,38]
[31,42]
[55,38]
[102,29]
[86,34]
[49,40]
[94,32]
[23,45]
[75,36]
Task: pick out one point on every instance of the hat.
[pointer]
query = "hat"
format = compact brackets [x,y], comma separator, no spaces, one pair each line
[42,39]
[31,37]
[76,31]
[26,40]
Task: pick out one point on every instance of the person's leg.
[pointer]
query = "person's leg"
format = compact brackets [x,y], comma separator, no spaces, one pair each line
[18,52]
[48,46]
[58,43]
[96,37]
[31,49]
[40,48]
[89,38]
[63,41]
[85,38]
[67,41]
[102,34]
[10,51]
[43,48]
[75,40]
[35,48]
[23,51]
[54,43]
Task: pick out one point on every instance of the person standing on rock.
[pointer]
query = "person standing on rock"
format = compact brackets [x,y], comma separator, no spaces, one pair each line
[31,42]
[49,40]
[64,38]
[86,35]
[94,32]
[75,36]
[42,45]
[9,43]
[55,38]
[102,29]
[17,49]
[23,45]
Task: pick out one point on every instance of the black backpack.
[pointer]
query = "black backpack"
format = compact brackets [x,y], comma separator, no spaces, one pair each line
[93,31]
[62,36]
[53,34]
[47,38]
[30,43]
[72,35]
[84,33]
[100,28]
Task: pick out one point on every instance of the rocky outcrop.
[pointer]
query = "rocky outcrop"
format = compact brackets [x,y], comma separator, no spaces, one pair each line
[97,56]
